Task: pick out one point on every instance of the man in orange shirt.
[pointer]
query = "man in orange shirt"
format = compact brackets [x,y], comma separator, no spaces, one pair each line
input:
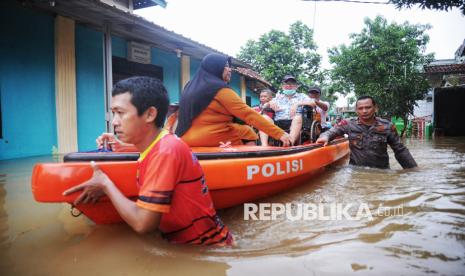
[173,195]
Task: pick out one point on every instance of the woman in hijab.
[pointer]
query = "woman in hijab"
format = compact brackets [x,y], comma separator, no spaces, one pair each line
[208,106]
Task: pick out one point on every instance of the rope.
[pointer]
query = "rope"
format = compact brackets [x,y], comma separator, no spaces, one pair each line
[73,213]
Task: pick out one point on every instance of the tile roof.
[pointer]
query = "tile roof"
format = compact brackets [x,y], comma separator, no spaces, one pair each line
[446,68]
[252,75]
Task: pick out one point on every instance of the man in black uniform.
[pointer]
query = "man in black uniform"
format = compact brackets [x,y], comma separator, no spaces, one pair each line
[368,138]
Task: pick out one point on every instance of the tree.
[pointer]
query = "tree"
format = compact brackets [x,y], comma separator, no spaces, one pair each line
[384,61]
[276,54]
[443,5]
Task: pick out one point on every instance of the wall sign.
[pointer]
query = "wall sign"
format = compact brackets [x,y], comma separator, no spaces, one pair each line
[138,52]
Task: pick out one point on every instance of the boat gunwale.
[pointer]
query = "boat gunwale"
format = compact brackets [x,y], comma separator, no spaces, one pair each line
[232,154]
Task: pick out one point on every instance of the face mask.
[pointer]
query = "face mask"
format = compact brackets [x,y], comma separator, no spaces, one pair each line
[288,91]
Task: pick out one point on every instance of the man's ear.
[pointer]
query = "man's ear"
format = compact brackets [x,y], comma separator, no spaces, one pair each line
[151,114]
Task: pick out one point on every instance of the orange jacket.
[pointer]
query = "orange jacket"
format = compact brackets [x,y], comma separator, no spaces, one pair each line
[215,123]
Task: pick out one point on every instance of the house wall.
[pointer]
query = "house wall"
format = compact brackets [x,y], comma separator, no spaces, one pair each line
[90,87]
[171,71]
[170,63]
[255,99]
[119,47]
[27,82]
[235,83]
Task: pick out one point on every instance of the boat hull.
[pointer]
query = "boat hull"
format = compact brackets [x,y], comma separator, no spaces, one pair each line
[231,180]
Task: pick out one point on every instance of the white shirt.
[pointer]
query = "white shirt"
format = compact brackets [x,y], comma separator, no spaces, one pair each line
[285,103]
[323,113]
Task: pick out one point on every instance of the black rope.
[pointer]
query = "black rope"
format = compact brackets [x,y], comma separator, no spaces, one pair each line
[73,213]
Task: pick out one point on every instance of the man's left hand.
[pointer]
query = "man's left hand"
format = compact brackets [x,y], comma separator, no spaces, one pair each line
[322,140]
[93,188]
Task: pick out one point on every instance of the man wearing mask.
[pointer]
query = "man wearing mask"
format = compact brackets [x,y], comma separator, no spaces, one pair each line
[288,107]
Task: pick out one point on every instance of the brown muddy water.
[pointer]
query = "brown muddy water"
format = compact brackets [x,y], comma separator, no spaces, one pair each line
[420,230]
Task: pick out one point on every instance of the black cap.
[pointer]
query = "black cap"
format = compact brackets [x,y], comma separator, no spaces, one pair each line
[288,78]
[314,89]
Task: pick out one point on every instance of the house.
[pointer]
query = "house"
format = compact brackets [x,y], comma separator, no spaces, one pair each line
[60,58]
[447,79]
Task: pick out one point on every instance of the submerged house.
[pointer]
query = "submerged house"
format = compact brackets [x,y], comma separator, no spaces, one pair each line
[59,60]
[445,102]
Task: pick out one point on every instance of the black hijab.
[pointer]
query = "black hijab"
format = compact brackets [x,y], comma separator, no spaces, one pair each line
[200,91]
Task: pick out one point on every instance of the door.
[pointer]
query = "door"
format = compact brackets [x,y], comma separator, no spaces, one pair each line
[123,69]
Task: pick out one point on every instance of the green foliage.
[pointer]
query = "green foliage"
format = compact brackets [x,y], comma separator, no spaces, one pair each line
[384,61]
[276,54]
[443,5]
[328,93]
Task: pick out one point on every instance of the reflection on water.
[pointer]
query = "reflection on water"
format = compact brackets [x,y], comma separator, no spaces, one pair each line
[428,236]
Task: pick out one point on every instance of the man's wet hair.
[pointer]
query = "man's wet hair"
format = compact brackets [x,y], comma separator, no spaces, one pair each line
[145,92]
[364,97]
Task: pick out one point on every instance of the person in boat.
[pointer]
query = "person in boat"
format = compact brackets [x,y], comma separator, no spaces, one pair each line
[340,121]
[208,106]
[288,107]
[173,196]
[266,95]
[321,107]
[369,136]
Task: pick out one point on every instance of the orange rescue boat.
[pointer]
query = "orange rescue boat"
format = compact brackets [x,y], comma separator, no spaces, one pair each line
[234,175]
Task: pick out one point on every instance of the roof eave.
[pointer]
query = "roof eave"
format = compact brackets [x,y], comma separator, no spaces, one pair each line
[99,15]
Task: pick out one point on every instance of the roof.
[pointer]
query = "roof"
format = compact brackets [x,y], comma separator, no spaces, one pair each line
[99,15]
[445,68]
[252,75]
[442,62]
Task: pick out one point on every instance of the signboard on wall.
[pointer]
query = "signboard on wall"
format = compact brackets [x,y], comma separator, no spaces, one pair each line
[138,52]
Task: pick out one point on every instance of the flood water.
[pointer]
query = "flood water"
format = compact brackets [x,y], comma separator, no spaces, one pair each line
[421,230]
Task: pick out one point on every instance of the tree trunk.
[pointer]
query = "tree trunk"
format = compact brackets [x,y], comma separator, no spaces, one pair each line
[405,126]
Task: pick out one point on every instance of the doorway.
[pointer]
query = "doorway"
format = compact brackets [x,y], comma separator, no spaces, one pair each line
[123,68]
[448,111]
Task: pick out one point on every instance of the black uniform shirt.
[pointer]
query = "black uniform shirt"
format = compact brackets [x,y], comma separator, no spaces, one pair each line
[368,144]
